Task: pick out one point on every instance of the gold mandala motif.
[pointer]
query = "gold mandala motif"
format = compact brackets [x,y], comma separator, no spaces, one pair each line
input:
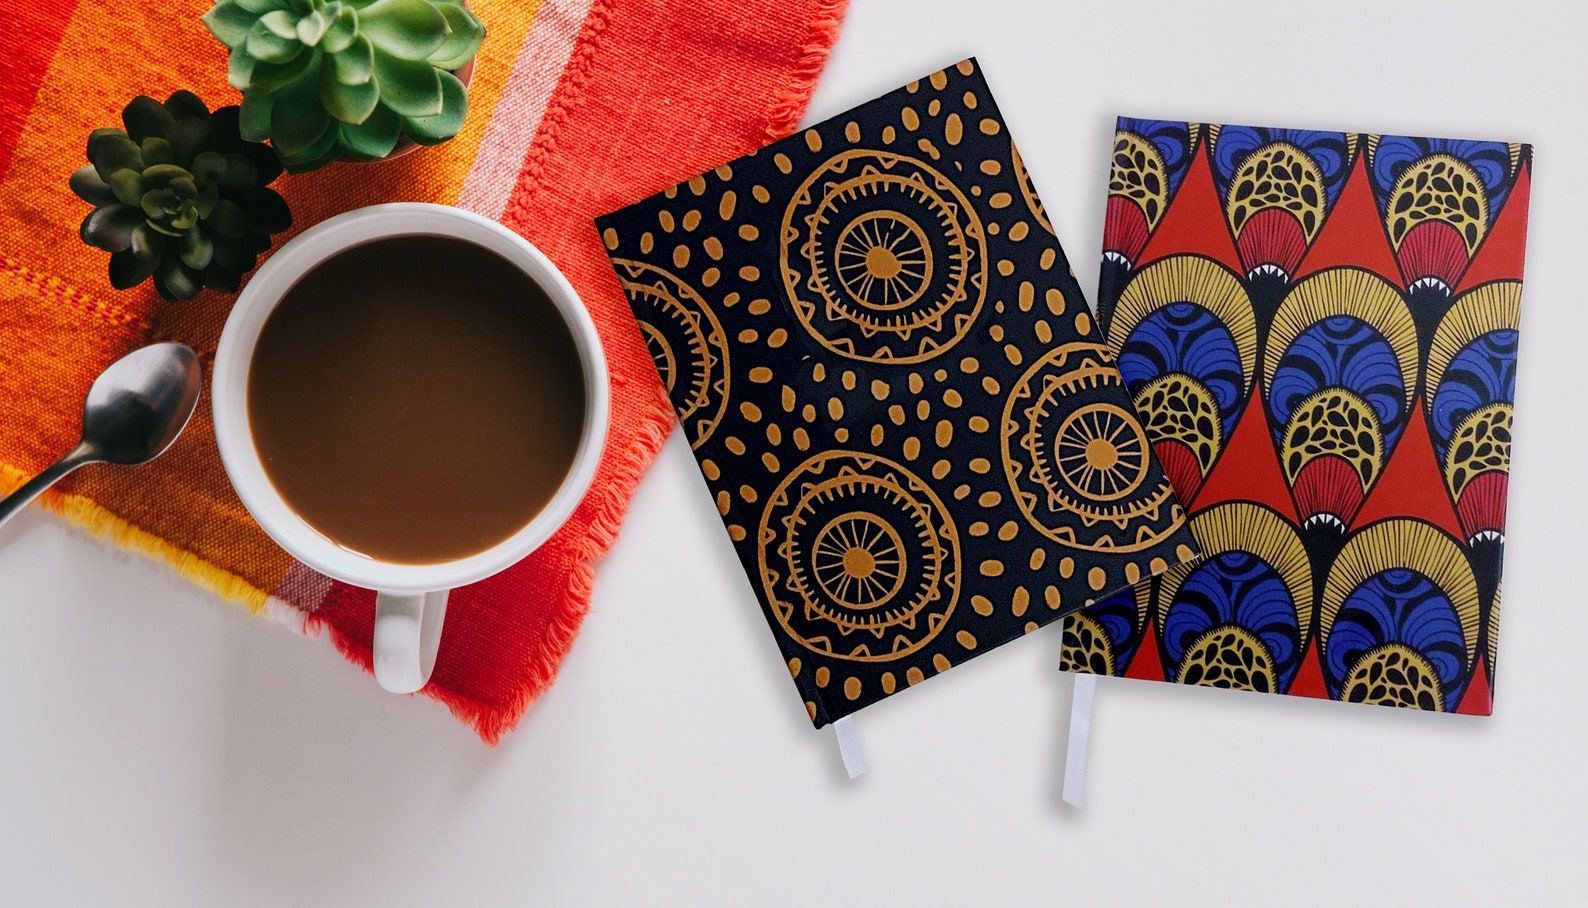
[859,559]
[686,341]
[883,258]
[1077,464]
[1100,450]
[884,261]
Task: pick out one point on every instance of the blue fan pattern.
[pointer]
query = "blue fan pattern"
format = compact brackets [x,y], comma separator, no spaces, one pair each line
[1482,373]
[1398,606]
[1241,590]
[1184,337]
[1340,352]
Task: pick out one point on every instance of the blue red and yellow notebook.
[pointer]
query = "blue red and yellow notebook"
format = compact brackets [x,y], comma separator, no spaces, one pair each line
[1319,331]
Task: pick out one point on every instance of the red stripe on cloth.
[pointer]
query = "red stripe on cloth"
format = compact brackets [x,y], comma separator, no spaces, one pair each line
[653,93]
[27,44]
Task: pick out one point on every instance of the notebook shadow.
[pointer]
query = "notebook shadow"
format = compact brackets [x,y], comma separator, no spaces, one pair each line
[694,517]
[1118,697]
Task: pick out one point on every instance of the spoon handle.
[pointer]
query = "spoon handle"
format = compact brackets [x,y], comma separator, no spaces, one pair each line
[16,501]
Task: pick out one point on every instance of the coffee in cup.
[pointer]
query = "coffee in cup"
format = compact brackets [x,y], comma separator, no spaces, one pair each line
[416,399]
[409,398]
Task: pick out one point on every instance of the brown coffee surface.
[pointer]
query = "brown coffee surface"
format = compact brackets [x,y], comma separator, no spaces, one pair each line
[416,399]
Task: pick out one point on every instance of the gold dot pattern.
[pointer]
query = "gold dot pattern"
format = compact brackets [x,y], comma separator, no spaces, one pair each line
[882,287]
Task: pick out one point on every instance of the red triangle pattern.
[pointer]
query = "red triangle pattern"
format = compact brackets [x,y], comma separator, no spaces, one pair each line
[1412,484]
[1248,470]
[1500,256]
[1353,233]
[1309,677]
[1477,701]
[1194,224]
[1146,663]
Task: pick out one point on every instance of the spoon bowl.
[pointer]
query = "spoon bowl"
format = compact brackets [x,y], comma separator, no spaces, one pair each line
[134,411]
[138,406]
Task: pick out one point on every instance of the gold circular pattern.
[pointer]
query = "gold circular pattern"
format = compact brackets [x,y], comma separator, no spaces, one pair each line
[1078,464]
[883,258]
[1028,191]
[859,558]
[686,341]
[1102,452]
[884,262]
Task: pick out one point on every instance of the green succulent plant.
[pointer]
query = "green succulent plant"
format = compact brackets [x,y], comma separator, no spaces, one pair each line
[179,196]
[325,78]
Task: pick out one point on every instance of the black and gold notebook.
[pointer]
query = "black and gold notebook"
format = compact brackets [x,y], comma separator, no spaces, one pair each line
[913,430]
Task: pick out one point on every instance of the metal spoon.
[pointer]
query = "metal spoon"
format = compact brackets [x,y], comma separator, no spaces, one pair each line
[135,409]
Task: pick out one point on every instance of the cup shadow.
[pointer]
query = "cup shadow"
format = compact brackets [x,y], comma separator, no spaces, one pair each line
[339,785]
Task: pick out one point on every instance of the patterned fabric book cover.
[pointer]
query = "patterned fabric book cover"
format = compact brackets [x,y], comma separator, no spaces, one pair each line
[1319,330]
[914,434]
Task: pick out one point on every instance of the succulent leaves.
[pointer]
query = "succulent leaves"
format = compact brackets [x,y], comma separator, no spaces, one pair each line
[180,193]
[324,78]
[179,196]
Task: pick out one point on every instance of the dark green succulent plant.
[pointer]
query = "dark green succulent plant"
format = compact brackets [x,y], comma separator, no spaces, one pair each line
[179,196]
[327,78]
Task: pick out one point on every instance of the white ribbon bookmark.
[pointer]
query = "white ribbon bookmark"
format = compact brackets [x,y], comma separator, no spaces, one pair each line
[849,747]
[1080,732]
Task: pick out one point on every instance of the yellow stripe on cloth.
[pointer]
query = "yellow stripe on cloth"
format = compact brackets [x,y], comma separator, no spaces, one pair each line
[81,512]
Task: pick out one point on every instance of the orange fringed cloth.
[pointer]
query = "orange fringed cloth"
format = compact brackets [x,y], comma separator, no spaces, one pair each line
[577,107]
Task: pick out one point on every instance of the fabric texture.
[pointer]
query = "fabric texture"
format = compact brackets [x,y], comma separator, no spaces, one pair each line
[916,439]
[576,107]
[1320,331]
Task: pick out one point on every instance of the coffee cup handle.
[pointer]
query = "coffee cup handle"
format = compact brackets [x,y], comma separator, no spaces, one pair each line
[407,633]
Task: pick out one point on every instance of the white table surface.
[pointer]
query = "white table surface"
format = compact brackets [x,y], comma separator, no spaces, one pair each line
[161,748]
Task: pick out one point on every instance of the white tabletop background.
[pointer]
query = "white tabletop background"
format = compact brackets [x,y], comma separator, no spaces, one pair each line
[159,747]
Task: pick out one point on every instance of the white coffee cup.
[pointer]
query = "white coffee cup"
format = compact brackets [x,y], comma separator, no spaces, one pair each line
[411,599]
